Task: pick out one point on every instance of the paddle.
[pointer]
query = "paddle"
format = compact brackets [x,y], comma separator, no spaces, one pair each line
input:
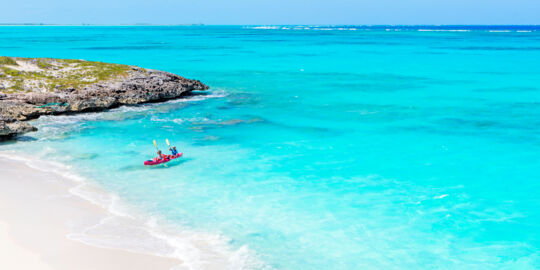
[155,144]
[167,141]
[169,144]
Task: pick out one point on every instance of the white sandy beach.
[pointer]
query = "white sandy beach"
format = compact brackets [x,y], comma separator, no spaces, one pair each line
[36,214]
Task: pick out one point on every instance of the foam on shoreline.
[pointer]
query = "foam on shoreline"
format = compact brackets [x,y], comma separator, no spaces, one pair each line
[397,28]
[126,228]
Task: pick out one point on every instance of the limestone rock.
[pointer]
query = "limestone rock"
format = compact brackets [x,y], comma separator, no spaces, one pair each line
[20,127]
[4,129]
[138,86]
[8,130]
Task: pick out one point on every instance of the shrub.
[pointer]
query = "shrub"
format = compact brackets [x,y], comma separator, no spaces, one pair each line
[4,60]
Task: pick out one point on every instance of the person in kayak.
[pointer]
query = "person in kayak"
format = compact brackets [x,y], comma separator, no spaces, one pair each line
[173,151]
[160,155]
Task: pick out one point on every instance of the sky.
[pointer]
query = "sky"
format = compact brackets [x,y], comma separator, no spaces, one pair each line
[264,12]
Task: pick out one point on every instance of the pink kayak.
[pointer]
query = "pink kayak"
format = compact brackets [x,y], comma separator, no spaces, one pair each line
[161,161]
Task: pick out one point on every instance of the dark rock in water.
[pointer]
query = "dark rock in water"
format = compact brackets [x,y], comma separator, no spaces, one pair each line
[91,104]
[4,129]
[136,85]
[21,127]
[14,110]
[8,130]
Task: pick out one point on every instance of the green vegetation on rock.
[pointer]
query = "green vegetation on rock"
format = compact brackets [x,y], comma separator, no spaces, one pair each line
[4,60]
[43,64]
[47,74]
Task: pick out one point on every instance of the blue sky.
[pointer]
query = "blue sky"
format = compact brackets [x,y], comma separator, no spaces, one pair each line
[271,11]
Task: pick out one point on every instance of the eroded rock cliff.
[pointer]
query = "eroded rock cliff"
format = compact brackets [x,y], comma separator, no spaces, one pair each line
[30,87]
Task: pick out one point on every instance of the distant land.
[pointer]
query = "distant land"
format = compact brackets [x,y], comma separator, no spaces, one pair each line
[89,24]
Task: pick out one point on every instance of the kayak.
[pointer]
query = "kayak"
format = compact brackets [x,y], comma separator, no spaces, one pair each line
[161,161]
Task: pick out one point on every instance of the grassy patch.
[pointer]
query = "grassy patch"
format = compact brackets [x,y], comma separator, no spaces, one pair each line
[4,60]
[11,72]
[54,74]
[41,63]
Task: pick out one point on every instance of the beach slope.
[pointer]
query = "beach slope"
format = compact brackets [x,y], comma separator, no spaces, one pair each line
[36,216]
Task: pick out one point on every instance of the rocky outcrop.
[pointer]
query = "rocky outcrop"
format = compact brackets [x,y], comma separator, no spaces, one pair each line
[20,127]
[5,130]
[137,86]
[8,130]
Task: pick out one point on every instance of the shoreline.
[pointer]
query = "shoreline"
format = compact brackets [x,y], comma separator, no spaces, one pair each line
[84,220]
[37,217]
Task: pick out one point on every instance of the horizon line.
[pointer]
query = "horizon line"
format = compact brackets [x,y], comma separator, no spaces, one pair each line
[202,24]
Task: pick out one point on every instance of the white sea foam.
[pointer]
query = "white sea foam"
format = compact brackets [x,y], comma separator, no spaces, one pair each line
[264,27]
[180,120]
[443,30]
[214,94]
[302,27]
[440,196]
[192,119]
[44,166]
[127,228]
[60,124]
[336,28]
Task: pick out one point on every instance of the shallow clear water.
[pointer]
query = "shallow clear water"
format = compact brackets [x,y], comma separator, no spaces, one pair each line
[337,149]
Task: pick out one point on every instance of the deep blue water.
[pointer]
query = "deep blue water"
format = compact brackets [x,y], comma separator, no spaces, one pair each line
[321,147]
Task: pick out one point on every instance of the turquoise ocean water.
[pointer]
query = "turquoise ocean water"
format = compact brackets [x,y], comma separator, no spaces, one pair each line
[316,147]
